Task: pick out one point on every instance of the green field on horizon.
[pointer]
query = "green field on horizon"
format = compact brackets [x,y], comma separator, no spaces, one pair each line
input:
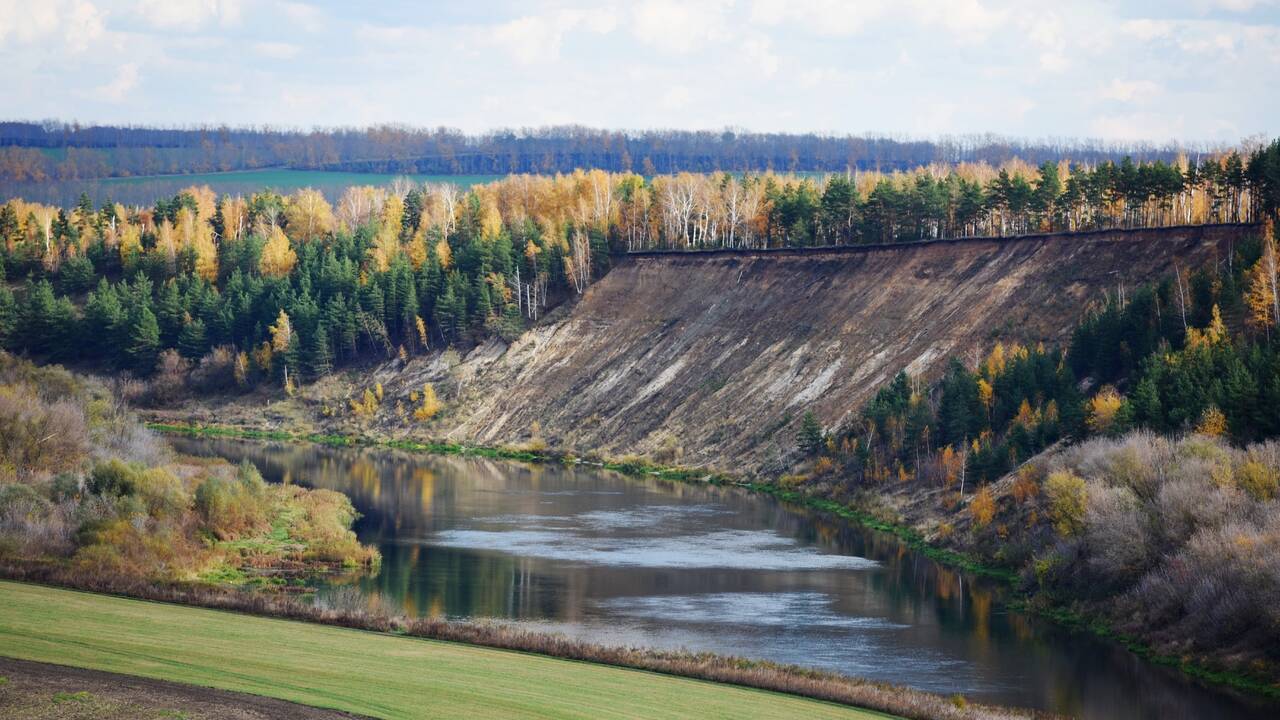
[362,672]
[146,189]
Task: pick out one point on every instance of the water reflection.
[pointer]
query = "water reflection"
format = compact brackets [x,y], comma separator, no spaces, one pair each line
[650,562]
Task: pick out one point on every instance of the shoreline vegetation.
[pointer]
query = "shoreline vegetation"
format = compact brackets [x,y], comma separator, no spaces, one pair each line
[896,700]
[1057,612]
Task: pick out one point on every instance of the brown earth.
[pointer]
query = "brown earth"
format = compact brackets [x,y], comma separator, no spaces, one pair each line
[712,358]
[39,691]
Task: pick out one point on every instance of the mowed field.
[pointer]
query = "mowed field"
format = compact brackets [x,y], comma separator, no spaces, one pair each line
[360,672]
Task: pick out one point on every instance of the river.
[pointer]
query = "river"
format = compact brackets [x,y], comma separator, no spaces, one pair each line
[648,562]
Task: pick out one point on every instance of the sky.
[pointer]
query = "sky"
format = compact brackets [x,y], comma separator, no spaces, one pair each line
[1186,70]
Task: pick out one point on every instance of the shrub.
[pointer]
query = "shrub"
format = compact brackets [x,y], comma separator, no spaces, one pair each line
[366,406]
[162,494]
[1258,480]
[1027,485]
[113,477]
[170,381]
[20,504]
[1067,501]
[216,371]
[38,434]
[232,507]
[982,508]
[322,520]
[430,406]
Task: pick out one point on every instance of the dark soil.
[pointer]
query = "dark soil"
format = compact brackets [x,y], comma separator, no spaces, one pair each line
[38,691]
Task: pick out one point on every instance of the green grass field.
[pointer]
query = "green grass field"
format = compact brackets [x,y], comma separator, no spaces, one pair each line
[288,180]
[146,189]
[360,672]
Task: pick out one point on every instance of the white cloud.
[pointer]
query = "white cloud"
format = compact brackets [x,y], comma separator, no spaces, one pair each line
[758,48]
[820,17]
[1047,33]
[76,23]
[1241,5]
[964,20]
[277,50]
[119,87]
[307,17]
[536,38]
[189,14]
[680,27]
[1147,29]
[1140,126]
[676,97]
[1129,90]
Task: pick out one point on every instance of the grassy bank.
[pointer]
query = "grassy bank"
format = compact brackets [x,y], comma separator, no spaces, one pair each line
[629,467]
[375,674]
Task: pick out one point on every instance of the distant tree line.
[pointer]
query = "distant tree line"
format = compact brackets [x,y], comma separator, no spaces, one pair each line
[31,151]
[287,287]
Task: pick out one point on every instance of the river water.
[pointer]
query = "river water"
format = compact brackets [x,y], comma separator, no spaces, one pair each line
[621,560]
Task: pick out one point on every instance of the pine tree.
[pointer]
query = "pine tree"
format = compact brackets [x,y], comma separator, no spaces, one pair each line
[144,341]
[192,341]
[811,438]
[318,359]
[8,316]
[169,314]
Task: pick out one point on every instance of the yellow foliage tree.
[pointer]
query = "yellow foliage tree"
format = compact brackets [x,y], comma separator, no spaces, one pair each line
[206,252]
[308,215]
[1263,297]
[1212,422]
[278,257]
[1103,409]
[986,394]
[444,253]
[430,406]
[235,217]
[130,240]
[281,333]
[995,361]
[1212,335]
[1068,501]
[263,357]
[982,508]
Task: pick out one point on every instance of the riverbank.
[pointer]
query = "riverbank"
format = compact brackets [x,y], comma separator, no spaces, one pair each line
[1038,604]
[377,674]
[779,680]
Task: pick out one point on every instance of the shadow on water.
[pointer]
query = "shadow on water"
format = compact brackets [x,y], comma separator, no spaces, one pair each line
[642,561]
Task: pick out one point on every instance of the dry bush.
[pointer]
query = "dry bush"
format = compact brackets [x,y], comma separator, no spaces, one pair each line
[31,525]
[216,371]
[39,435]
[169,384]
[1027,484]
[1183,534]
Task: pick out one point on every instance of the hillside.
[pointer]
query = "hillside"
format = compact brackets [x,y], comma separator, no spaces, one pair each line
[713,358]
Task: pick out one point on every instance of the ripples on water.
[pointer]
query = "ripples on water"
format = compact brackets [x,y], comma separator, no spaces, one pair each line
[592,538]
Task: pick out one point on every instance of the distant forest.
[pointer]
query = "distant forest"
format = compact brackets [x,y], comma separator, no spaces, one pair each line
[40,151]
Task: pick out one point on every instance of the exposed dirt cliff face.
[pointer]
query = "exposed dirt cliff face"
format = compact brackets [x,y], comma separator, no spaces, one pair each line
[716,357]
[712,359]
